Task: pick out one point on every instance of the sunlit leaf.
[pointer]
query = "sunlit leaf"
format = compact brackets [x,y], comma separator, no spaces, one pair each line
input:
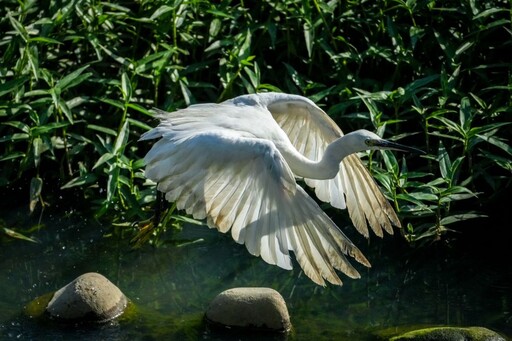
[122,136]
[45,40]
[308,38]
[465,113]
[418,197]
[73,79]
[82,180]
[47,128]
[36,186]
[126,86]
[11,156]
[444,161]
[140,109]
[215,27]
[17,235]
[22,31]
[63,106]
[37,144]
[161,11]
[19,125]
[104,158]
[112,183]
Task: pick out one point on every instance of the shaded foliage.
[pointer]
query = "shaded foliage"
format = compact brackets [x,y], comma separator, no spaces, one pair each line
[78,79]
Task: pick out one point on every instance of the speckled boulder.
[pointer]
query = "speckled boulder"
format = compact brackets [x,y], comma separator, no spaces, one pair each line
[262,309]
[450,334]
[89,298]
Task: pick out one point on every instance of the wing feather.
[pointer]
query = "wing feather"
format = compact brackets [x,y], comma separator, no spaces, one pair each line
[244,185]
[311,130]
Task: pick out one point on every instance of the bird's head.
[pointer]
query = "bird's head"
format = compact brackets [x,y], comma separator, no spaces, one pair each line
[366,140]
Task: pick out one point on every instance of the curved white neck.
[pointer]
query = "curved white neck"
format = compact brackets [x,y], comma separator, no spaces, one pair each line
[323,169]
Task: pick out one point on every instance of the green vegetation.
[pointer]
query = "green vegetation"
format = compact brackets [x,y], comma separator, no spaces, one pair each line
[78,79]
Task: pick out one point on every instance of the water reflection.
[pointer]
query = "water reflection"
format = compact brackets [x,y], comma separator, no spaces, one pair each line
[173,284]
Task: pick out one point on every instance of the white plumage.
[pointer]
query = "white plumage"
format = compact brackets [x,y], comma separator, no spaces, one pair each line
[236,163]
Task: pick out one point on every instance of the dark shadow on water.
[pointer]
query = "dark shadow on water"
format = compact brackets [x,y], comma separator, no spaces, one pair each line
[468,283]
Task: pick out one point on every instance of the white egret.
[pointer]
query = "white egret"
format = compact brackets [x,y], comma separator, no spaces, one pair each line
[236,163]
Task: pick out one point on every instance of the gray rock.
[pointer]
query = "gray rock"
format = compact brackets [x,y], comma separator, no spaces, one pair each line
[450,334]
[261,309]
[90,297]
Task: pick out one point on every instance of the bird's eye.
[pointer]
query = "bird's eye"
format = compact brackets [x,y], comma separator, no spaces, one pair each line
[368,142]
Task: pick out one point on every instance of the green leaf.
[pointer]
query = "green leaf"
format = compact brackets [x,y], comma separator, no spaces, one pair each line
[452,125]
[444,161]
[421,196]
[455,197]
[185,91]
[419,83]
[140,109]
[295,76]
[114,103]
[47,128]
[245,50]
[489,12]
[138,164]
[104,158]
[36,186]
[188,220]
[455,167]
[38,149]
[82,180]
[112,183]
[496,142]
[219,13]
[63,106]
[463,48]
[126,87]
[73,79]
[19,125]
[415,199]
[139,124]
[500,22]
[215,26]
[465,113]
[105,130]
[45,40]
[455,218]
[120,59]
[121,139]
[308,38]
[459,189]
[17,235]
[11,156]
[161,11]
[12,85]
[22,31]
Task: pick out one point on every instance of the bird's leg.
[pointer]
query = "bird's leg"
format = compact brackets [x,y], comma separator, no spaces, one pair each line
[158,208]
[146,227]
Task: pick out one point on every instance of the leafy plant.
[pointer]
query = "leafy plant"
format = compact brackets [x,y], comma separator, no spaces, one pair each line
[78,81]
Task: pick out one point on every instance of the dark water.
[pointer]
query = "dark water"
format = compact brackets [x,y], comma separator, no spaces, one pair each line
[172,285]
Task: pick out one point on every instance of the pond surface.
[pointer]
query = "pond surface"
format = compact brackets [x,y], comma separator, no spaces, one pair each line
[172,285]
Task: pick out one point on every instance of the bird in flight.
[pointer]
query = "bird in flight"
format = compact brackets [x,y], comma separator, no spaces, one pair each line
[236,164]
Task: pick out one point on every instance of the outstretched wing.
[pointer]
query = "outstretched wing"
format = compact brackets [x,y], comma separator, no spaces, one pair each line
[311,130]
[244,185]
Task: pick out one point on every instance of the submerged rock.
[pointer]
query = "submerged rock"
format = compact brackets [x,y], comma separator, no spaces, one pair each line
[91,297]
[262,309]
[450,334]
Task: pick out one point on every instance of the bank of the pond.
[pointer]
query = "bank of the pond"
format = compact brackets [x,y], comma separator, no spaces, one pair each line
[172,285]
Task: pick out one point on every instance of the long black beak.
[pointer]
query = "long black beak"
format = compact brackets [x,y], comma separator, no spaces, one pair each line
[385,144]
